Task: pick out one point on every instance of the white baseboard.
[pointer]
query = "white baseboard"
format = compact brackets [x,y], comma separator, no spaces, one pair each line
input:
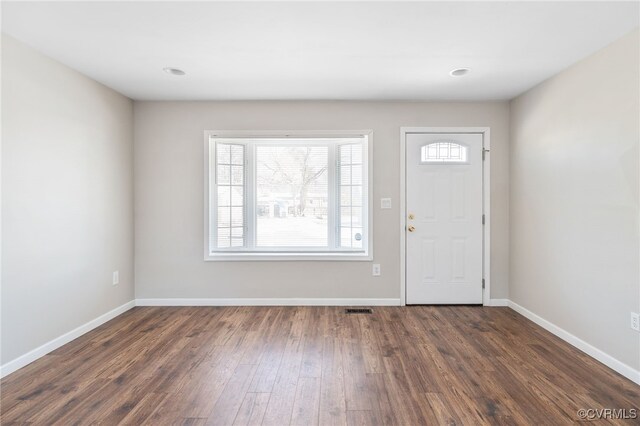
[54,344]
[498,302]
[268,302]
[622,368]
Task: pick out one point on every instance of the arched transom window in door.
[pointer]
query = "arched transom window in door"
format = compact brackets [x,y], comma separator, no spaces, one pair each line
[443,152]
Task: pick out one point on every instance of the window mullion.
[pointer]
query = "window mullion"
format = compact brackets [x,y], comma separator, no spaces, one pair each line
[213,196]
[332,202]
[250,198]
[365,195]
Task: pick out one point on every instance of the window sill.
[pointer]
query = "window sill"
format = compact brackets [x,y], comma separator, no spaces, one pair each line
[257,257]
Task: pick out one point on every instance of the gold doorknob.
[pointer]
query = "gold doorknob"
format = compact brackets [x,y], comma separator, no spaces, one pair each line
[411,228]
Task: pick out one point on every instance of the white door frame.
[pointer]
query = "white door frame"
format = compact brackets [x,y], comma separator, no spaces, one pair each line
[486,203]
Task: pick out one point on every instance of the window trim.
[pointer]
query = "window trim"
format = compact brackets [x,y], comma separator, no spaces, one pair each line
[310,255]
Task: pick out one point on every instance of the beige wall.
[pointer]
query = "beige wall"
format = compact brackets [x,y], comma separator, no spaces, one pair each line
[574,199]
[169,196]
[67,199]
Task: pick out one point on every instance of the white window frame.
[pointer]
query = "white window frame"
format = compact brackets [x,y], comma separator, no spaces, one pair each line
[265,255]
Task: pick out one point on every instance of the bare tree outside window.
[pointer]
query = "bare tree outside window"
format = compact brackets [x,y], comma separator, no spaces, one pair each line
[292,196]
[296,170]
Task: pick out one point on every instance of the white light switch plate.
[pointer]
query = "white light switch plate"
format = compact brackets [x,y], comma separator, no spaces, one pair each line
[385,203]
[116,277]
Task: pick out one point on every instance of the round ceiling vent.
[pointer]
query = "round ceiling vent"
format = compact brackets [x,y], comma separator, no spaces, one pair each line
[173,71]
[459,72]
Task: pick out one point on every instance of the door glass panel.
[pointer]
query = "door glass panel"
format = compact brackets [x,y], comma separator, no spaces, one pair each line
[443,152]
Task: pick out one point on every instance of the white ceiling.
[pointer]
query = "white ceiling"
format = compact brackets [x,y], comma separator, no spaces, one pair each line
[359,51]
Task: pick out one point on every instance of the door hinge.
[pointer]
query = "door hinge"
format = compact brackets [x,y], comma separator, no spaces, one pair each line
[484,152]
[483,283]
[483,219]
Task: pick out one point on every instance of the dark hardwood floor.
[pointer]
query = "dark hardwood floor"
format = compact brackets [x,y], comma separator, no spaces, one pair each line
[314,365]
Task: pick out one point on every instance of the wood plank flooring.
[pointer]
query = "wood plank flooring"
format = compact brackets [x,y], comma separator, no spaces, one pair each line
[314,366]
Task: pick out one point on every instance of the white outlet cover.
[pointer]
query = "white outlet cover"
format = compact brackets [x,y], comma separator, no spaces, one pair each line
[385,203]
[376,270]
[116,277]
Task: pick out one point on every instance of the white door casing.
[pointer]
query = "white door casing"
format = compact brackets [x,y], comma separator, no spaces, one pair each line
[444,207]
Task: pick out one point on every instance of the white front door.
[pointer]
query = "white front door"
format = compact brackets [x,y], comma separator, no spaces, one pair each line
[444,218]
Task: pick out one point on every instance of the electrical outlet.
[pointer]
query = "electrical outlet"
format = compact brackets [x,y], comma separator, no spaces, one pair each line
[376,270]
[635,321]
[116,277]
[385,203]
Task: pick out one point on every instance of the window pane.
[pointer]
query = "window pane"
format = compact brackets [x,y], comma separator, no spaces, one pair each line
[345,196]
[356,154]
[356,216]
[356,175]
[224,217]
[224,196]
[292,193]
[237,216]
[237,196]
[356,195]
[230,199]
[345,154]
[351,201]
[237,154]
[345,175]
[224,175]
[345,238]
[237,175]
[224,153]
[356,235]
[433,152]
[444,152]
[223,237]
[345,216]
